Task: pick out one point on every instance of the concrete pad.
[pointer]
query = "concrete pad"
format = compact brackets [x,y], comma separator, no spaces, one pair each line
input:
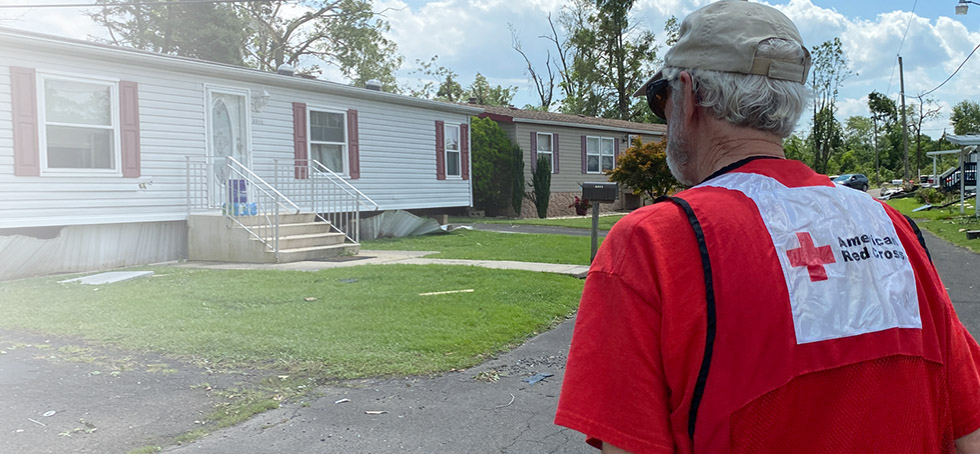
[109,277]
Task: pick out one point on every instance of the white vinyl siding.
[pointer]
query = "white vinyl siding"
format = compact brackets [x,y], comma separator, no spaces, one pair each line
[600,154]
[453,165]
[328,139]
[544,144]
[78,125]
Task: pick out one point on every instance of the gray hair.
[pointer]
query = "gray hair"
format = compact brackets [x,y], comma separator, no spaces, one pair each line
[749,100]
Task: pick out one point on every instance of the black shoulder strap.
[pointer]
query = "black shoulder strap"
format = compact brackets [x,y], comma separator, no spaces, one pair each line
[710,326]
[918,234]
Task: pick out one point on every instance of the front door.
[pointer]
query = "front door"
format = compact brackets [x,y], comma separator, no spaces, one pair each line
[228,136]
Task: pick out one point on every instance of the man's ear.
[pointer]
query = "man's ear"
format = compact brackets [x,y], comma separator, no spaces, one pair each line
[688,98]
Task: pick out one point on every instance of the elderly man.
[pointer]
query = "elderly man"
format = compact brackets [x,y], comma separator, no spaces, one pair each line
[764,309]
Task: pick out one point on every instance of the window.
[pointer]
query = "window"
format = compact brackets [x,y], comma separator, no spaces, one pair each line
[544,144]
[328,139]
[452,151]
[79,124]
[600,154]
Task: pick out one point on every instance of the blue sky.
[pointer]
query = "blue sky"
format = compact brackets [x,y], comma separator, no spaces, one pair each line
[472,36]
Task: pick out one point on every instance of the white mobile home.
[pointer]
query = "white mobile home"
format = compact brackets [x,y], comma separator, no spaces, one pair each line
[107,154]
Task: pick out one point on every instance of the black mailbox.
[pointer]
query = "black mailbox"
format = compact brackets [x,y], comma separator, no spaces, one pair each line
[600,192]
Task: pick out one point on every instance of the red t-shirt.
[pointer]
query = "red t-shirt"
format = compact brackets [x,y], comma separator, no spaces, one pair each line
[640,338]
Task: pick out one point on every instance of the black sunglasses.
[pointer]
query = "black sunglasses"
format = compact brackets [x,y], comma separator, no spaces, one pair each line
[657,93]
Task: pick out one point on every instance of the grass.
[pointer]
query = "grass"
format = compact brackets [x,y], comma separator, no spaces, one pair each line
[364,321]
[483,245]
[945,223]
[582,222]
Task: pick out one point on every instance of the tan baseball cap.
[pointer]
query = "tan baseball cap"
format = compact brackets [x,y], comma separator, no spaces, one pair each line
[725,35]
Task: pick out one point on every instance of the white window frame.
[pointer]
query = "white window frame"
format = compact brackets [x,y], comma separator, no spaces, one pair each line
[550,142]
[458,152]
[42,130]
[598,152]
[344,152]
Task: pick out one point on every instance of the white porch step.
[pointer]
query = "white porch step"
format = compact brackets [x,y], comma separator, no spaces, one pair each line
[284,218]
[307,240]
[318,252]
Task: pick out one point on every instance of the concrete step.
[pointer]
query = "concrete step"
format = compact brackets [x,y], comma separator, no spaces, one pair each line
[300,228]
[284,218]
[307,240]
[319,252]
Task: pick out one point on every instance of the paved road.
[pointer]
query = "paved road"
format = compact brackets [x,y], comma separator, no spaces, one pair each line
[154,399]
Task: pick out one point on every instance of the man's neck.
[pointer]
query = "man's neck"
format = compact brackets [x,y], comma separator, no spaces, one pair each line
[733,144]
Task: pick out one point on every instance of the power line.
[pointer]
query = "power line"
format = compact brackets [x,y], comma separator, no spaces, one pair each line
[102,5]
[954,72]
[891,78]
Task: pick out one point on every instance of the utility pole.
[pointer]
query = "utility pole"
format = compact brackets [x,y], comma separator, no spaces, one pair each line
[905,124]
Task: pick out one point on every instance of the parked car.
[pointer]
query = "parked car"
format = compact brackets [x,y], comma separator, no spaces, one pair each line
[853,180]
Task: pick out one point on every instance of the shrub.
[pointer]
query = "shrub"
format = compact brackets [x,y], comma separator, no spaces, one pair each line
[541,186]
[643,169]
[929,195]
[492,166]
[517,179]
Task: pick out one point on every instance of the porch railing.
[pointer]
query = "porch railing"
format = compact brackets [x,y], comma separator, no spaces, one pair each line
[279,186]
[311,184]
[240,194]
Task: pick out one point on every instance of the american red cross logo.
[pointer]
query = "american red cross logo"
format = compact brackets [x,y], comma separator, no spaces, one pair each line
[813,258]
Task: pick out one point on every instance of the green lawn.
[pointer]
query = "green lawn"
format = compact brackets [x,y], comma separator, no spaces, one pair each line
[583,222]
[365,320]
[946,223]
[483,245]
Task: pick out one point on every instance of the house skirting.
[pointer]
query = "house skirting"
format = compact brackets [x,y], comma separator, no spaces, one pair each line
[79,248]
[560,205]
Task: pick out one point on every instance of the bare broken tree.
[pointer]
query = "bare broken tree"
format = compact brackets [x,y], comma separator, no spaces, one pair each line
[544,84]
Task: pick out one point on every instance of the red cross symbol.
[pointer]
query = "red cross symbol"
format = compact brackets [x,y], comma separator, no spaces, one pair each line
[813,258]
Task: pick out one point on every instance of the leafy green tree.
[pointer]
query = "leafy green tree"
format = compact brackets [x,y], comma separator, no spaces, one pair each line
[517,179]
[610,57]
[965,117]
[207,31]
[492,167]
[487,95]
[643,169]
[795,148]
[830,69]
[346,34]
[883,117]
[541,186]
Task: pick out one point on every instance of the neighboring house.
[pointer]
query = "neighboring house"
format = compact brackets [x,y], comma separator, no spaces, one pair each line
[580,149]
[107,152]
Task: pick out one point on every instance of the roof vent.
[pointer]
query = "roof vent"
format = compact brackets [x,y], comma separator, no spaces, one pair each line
[373,84]
[285,70]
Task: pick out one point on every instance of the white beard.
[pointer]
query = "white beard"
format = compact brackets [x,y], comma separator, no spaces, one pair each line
[678,146]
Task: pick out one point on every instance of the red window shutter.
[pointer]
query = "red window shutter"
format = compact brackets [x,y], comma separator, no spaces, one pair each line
[534,151]
[353,145]
[554,151]
[300,141]
[129,127]
[585,156]
[23,83]
[440,150]
[464,151]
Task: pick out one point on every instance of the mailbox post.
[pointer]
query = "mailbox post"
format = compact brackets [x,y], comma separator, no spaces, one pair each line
[598,192]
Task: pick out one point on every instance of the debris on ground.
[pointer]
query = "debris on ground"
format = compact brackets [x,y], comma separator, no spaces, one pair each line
[489,376]
[375,412]
[341,401]
[537,377]
[447,292]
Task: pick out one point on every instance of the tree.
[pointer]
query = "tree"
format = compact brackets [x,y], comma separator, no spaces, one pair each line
[966,118]
[541,186]
[643,169]
[517,179]
[346,34]
[918,117]
[610,59]
[830,69]
[492,167]
[883,116]
[544,88]
[207,31]
[263,35]
[486,95]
